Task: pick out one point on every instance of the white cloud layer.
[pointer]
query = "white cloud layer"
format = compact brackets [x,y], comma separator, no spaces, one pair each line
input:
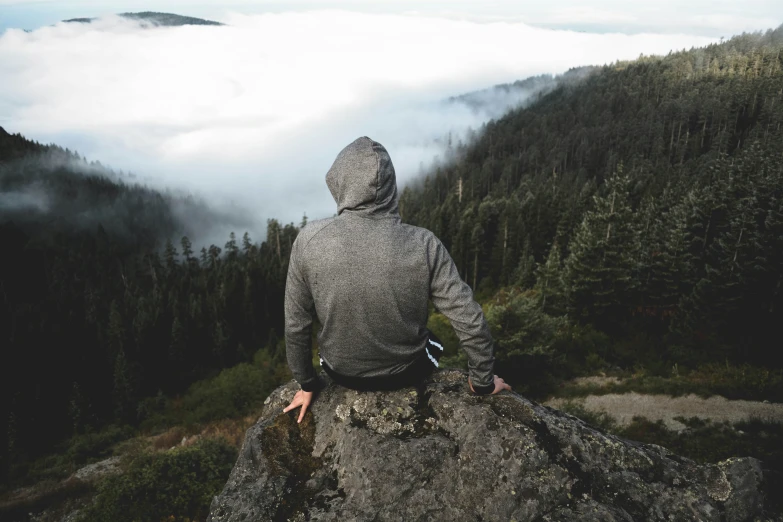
[255,112]
[712,18]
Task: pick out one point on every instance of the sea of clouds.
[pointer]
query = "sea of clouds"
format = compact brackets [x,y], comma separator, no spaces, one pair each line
[251,115]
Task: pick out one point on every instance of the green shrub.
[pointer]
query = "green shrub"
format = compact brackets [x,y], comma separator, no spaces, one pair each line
[233,393]
[274,366]
[80,449]
[176,485]
[25,472]
[703,440]
[441,327]
[740,382]
[98,445]
[526,342]
[601,419]
[583,348]
[150,407]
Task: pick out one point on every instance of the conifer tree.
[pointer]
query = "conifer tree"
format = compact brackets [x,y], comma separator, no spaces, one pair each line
[525,271]
[672,264]
[647,231]
[247,244]
[231,247]
[170,256]
[187,248]
[116,330]
[177,343]
[123,389]
[76,408]
[598,268]
[549,282]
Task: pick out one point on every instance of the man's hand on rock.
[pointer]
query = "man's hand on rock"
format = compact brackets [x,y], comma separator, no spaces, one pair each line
[500,385]
[303,399]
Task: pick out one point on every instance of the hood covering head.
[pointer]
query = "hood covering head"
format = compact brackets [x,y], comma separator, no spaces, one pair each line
[362,180]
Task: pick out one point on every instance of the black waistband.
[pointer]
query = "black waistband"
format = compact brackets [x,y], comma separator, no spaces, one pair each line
[411,376]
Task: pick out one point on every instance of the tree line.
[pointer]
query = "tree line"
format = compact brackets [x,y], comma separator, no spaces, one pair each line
[98,312]
[644,200]
[641,201]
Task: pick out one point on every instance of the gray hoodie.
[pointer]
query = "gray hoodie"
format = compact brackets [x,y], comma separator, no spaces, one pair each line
[368,279]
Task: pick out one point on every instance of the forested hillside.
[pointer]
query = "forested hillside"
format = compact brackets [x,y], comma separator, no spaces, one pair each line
[519,93]
[98,313]
[643,204]
[632,214]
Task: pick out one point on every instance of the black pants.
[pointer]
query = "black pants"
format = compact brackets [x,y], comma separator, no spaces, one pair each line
[413,375]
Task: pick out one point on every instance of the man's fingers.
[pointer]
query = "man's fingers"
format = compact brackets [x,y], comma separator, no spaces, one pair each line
[294,404]
[305,405]
[300,399]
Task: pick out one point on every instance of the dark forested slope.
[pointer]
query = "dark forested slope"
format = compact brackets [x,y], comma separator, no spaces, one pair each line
[98,311]
[632,211]
[520,93]
[645,200]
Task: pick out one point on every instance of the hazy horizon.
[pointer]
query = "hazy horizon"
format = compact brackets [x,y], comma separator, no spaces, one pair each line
[712,19]
[252,114]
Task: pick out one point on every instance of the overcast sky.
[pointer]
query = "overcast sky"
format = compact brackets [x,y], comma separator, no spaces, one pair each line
[713,18]
[253,113]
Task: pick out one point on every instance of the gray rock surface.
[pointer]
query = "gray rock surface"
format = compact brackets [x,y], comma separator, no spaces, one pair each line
[98,470]
[440,453]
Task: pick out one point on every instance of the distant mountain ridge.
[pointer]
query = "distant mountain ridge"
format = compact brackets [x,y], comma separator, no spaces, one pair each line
[522,90]
[690,143]
[158,19]
[14,146]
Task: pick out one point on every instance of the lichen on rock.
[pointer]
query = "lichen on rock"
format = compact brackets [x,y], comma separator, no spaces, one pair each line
[441,453]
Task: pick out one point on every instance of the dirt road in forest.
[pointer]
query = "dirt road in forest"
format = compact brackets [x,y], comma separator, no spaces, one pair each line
[624,407]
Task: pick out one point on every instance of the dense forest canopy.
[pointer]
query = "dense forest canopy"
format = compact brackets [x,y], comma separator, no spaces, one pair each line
[645,200]
[98,310]
[628,211]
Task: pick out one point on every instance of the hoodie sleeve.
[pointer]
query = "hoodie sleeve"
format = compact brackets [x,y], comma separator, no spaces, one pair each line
[299,309]
[454,299]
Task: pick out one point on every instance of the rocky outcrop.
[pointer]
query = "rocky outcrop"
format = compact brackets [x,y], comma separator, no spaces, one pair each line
[440,453]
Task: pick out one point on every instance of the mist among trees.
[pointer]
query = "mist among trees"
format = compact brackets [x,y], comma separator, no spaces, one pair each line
[98,310]
[632,213]
[643,201]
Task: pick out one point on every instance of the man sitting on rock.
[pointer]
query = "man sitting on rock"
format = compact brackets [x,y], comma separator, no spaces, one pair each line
[369,278]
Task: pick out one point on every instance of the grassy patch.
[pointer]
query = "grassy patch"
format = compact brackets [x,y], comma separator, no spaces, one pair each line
[233,393]
[176,485]
[733,382]
[77,451]
[601,420]
[703,441]
[217,407]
